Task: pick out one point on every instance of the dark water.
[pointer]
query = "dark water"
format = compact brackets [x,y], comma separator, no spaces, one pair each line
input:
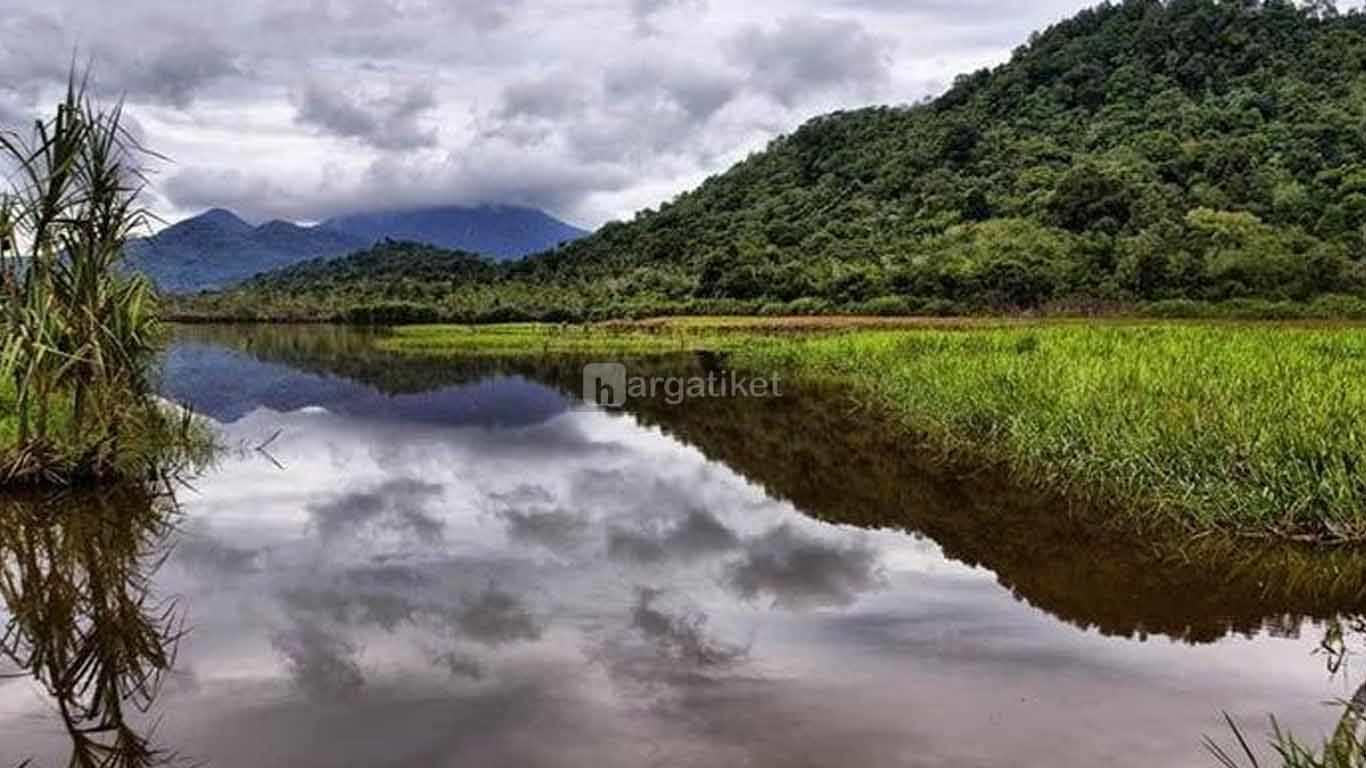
[458,563]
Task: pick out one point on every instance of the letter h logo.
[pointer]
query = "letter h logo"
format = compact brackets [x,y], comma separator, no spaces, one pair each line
[605,384]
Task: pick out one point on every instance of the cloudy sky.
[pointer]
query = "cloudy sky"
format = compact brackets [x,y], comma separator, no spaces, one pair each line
[591,109]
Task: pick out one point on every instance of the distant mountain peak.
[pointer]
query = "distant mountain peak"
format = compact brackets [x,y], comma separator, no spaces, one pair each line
[279,225]
[500,231]
[222,217]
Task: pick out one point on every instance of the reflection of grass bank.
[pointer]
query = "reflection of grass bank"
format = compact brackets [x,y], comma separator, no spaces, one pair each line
[1251,429]
[842,466]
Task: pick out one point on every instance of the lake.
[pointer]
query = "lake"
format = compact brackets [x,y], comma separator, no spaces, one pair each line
[405,562]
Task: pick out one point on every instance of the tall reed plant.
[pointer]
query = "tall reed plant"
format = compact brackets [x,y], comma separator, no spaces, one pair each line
[79,333]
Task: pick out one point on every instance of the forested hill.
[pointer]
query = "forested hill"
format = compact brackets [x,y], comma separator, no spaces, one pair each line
[1192,147]
[1138,151]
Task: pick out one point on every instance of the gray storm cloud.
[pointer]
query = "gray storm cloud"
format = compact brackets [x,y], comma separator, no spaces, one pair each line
[805,54]
[392,121]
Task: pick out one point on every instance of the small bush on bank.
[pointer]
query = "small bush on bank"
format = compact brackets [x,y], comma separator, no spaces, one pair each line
[888,306]
[391,313]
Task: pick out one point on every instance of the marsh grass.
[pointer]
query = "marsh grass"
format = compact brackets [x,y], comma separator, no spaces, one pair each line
[1347,749]
[1254,429]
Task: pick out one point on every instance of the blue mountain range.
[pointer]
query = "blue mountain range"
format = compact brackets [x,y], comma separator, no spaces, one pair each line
[217,249]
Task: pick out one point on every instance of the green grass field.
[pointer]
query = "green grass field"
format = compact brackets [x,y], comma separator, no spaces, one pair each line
[533,338]
[1252,429]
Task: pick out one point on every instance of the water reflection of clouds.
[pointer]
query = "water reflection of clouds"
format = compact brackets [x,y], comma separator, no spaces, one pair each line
[322,663]
[798,570]
[664,652]
[205,553]
[398,505]
[680,634]
[594,490]
[697,534]
[557,530]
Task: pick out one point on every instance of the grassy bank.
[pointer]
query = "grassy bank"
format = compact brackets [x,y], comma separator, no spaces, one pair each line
[1252,429]
[533,338]
[670,334]
[154,439]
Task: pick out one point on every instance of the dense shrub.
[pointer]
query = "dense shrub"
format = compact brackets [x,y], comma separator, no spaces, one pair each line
[391,313]
[810,306]
[890,306]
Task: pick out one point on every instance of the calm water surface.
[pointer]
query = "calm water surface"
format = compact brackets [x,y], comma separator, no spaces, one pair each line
[405,563]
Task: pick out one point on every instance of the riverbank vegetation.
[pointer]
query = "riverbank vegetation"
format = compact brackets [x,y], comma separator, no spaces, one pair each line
[1253,429]
[80,338]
